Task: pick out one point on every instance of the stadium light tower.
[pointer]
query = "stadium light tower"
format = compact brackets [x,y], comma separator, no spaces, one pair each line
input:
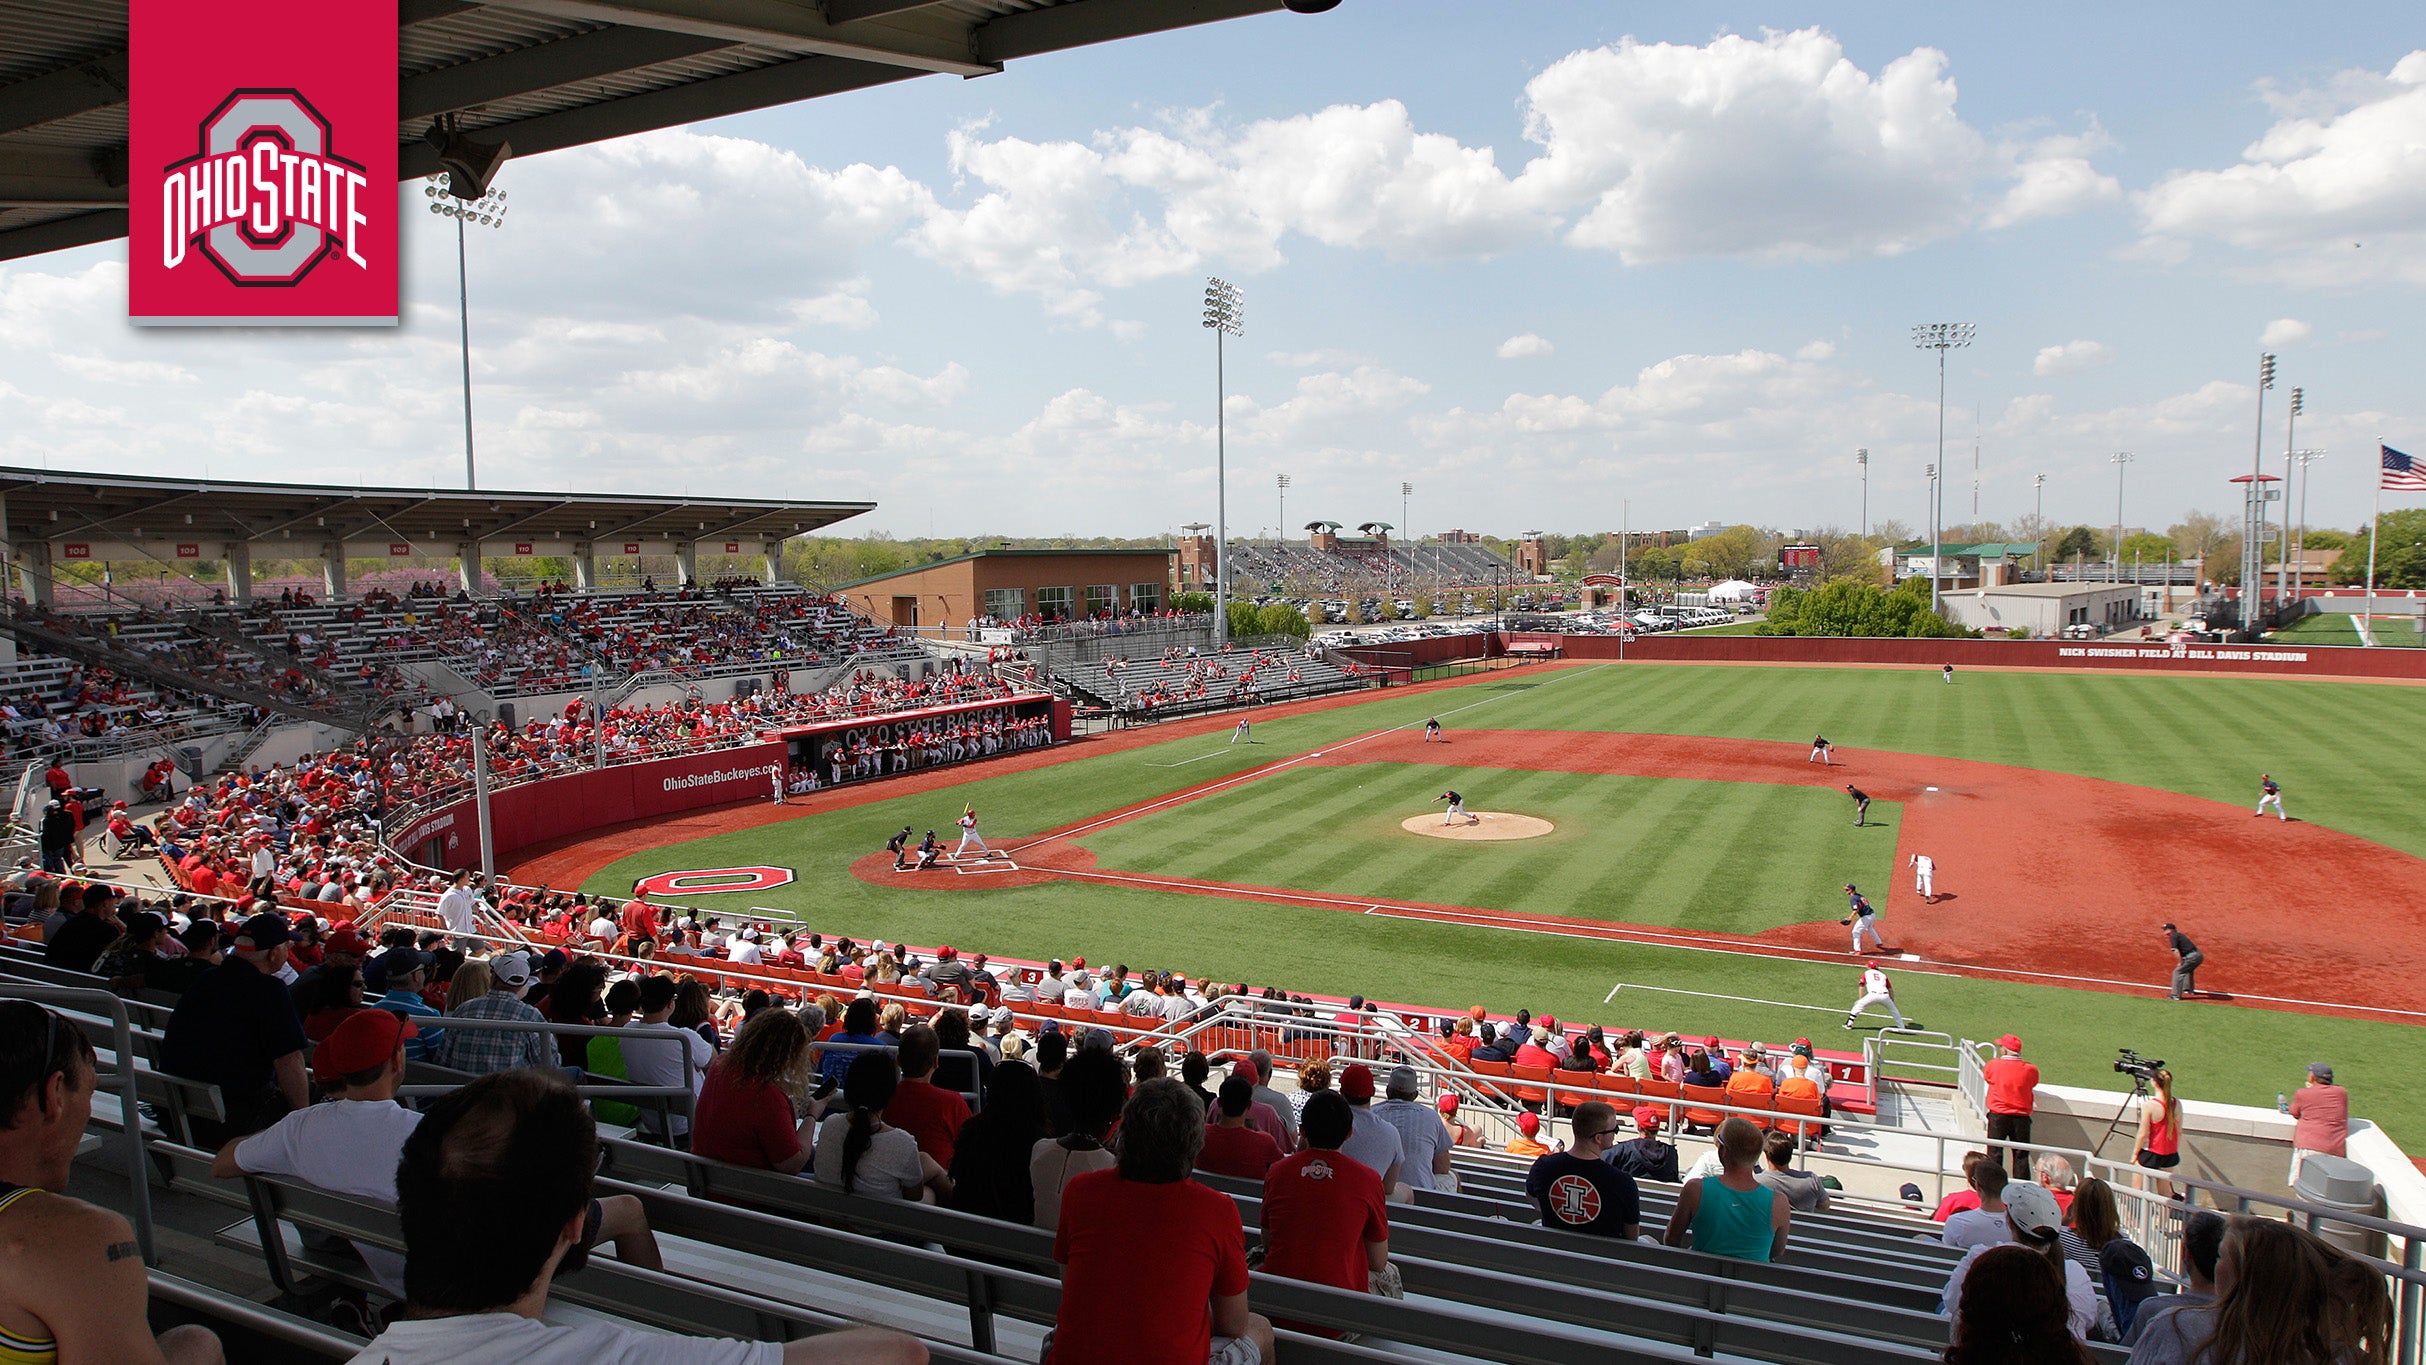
[1862,457]
[2253,510]
[2038,487]
[1283,534]
[2282,561]
[1225,314]
[1940,337]
[2306,458]
[2114,552]
[486,211]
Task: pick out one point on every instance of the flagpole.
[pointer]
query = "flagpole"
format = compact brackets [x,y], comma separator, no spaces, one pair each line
[2375,523]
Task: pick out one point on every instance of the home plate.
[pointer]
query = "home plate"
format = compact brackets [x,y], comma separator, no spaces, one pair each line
[1001,863]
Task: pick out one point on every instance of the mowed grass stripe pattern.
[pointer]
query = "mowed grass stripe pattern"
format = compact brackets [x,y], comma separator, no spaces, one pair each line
[1734,857]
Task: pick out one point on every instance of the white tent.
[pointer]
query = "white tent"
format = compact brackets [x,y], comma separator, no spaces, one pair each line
[1733,590]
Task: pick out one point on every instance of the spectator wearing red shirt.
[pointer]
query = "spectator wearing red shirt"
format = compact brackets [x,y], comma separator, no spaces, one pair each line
[1154,1265]
[745,1113]
[2012,1092]
[1323,1216]
[1232,1147]
[924,1110]
[639,917]
[2321,1110]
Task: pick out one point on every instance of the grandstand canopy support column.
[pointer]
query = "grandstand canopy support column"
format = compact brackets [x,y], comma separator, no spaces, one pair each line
[239,572]
[467,567]
[34,572]
[585,567]
[332,570]
[686,563]
[774,562]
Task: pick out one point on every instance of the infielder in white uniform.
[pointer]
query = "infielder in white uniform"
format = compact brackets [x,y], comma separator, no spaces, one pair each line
[778,772]
[1241,732]
[2270,795]
[1924,877]
[1876,990]
[968,833]
[1819,751]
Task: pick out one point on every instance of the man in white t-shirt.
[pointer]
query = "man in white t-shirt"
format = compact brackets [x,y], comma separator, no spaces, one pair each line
[350,1144]
[459,906]
[648,1062]
[745,949]
[1985,1226]
[1082,994]
[454,1189]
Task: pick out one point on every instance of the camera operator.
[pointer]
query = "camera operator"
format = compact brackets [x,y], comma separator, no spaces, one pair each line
[2160,1136]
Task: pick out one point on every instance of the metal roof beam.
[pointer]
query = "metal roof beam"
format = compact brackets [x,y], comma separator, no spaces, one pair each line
[60,192]
[763,88]
[79,89]
[58,234]
[852,11]
[519,522]
[582,57]
[772,23]
[1080,22]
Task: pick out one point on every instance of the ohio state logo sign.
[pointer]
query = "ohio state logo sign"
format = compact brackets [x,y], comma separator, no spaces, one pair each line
[266,198]
[712,881]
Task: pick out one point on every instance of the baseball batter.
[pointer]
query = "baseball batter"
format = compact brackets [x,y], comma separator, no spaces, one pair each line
[1819,751]
[969,835]
[1924,877]
[1862,918]
[1457,809]
[1876,990]
[2270,795]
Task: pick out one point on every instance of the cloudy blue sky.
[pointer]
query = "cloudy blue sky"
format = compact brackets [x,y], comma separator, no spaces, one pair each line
[1536,258]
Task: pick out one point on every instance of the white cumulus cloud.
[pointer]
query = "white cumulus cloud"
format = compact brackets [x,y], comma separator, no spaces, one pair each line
[2070,358]
[2285,332]
[1519,347]
[2334,193]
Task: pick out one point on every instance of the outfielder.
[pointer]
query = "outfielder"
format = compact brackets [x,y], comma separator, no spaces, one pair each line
[1876,990]
[968,834]
[1819,752]
[1241,732]
[1924,877]
[1457,809]
[2270,795]
[1863,919]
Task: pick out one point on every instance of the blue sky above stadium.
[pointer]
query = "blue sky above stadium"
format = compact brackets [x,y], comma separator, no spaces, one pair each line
[1534,259]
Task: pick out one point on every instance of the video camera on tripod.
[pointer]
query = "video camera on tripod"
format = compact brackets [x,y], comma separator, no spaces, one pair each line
[2140,1069]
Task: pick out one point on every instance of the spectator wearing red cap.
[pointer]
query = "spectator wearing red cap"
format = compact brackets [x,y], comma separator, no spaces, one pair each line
[2012,1093]
[1461,1133]
[1645,1157]
[351,1145]
[236,1028]
[1527,1141]
[1374,1142]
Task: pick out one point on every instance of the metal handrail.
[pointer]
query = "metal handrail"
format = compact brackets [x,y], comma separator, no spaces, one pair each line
[130,1115]
[220,1306]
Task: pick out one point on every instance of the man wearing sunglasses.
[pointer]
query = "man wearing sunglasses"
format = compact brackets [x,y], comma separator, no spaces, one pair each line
[1577,1190]
[72,1283]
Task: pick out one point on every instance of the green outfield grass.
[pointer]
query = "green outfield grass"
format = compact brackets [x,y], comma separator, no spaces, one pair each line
[2344,752]
[1735,857]
[2396,632]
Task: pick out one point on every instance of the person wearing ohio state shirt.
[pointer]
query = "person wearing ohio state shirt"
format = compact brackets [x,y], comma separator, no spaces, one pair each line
[1323,1217]
[2012,1094]
[1579,1191]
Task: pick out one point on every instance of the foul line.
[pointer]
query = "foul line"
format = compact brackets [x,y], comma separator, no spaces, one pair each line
[1713,995]
[1194,793]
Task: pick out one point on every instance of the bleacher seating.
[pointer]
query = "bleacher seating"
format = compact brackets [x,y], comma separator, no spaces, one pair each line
[1181,684]
[1365,564]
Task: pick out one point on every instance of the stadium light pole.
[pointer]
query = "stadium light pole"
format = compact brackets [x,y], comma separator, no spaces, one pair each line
[2253,551]
[2122,460]
[486,211]
[1283,481]
[1405,491]
[1862,458]
[2038,488]
[1225,314]
[2306,458]
[1940,337]
[2282,561]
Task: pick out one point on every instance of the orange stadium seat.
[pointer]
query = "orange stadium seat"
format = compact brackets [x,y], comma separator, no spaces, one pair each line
[1698,1096]
[1800,1106]
[1535,1094]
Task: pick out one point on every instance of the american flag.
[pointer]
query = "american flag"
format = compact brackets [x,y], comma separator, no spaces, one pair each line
[2402,472]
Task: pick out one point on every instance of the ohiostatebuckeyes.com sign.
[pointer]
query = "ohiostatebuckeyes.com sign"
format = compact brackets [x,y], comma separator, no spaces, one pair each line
[261,164]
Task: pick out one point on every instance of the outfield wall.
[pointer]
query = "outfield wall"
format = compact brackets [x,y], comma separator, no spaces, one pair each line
[2115,653]
[534,812]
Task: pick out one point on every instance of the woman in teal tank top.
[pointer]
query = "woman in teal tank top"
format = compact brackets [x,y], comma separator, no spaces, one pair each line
[1733,1215]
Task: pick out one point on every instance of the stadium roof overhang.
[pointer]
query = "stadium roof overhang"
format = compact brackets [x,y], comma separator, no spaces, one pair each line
[116,515]
[540,74]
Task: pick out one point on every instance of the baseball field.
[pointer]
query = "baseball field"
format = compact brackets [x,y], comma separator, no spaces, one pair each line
[1693,846]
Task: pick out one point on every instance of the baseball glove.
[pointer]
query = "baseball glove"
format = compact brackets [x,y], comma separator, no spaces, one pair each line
[1844,921]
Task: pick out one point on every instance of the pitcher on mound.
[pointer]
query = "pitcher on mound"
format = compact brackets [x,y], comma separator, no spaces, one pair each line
[1457,809]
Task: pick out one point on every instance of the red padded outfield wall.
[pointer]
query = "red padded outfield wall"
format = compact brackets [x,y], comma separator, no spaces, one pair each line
[534,812]
[2118,653]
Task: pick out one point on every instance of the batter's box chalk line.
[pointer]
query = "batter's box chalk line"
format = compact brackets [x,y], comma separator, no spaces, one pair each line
[980,869]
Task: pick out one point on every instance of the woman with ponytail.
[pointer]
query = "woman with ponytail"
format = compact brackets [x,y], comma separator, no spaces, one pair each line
[2160,1144]
[859,1153]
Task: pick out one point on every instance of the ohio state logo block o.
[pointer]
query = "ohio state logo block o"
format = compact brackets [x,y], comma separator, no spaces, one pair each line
[710,881]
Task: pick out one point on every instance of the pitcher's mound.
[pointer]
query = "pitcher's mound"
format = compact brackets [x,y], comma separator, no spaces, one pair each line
[1485,824]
